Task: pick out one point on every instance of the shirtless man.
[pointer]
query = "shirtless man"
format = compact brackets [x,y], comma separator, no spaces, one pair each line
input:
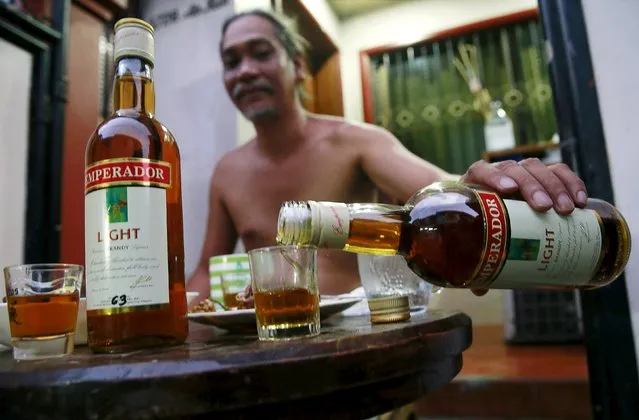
[297,155]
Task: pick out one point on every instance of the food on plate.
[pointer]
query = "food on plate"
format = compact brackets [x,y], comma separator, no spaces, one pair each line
[244,301]
[206,305]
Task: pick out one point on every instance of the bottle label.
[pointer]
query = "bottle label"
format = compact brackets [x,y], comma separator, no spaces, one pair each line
[525,247]
[334,223]
[496,237]
[126,235]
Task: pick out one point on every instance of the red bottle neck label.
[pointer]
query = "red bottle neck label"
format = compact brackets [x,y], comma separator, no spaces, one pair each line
[496,238]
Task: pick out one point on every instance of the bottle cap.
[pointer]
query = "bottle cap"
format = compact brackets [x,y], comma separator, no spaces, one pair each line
[389,309]
[133,37]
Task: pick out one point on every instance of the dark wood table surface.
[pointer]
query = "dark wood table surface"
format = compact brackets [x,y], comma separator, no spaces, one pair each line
[353,370]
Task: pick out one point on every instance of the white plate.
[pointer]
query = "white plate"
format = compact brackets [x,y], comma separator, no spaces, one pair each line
[244,319]
[81,325]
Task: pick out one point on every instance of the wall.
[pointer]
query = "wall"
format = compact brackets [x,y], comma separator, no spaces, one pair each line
[192,103]
[15,85]
[617,87]
[325,17]
[405,23]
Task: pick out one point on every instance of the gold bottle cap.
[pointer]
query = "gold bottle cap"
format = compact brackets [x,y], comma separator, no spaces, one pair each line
[389,309]
[133,37]
[134,22]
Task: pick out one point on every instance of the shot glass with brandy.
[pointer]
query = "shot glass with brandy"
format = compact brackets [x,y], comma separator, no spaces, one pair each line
[42,300]
[286,297]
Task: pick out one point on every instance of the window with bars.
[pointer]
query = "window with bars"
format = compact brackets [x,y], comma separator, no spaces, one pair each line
[419,95]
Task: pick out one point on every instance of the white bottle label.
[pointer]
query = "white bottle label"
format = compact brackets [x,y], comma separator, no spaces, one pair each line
[334,223]
[544,248]
[126,246]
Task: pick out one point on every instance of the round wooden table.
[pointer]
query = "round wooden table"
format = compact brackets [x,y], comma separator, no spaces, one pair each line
[352,370]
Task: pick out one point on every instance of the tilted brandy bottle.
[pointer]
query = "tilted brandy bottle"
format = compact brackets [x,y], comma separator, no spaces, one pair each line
[134,243]
[461,236]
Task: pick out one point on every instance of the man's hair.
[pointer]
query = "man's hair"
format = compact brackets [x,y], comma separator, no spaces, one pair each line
[285,30]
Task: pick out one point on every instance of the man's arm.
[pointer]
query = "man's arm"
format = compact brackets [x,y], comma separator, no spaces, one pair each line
[399,173]
[220,239]
[394,169]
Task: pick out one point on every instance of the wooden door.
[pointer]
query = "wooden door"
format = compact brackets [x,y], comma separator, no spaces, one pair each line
[328,87]
[324,83]
[89,26]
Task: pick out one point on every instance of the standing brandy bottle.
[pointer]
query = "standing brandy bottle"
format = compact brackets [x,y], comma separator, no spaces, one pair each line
[460,236]
[135,285]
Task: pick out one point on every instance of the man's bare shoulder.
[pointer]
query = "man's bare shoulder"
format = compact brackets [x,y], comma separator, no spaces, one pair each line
[233,161]
[344,130]
[236,157]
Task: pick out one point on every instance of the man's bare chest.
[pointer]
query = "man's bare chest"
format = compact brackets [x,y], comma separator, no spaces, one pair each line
[257,196]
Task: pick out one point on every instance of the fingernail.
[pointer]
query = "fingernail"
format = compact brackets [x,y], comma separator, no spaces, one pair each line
[506,182]
[541,199]
[582,197]
[564,202]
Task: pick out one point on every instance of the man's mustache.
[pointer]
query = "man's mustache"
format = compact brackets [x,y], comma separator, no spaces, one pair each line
[242,89]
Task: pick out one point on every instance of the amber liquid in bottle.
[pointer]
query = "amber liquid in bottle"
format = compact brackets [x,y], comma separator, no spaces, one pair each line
[133,132]
[442,233]
[446,246]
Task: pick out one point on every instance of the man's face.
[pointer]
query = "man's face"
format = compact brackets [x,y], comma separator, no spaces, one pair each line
[258,75]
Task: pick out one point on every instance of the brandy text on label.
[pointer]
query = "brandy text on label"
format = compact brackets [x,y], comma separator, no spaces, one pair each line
[132,171]
[548,250]
[495,241]
[338,228]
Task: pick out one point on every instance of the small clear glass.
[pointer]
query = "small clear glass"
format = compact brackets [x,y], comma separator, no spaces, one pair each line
[43,301]
[383,276]
[286,296]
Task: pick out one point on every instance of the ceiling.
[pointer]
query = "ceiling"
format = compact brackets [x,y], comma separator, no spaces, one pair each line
[345,9]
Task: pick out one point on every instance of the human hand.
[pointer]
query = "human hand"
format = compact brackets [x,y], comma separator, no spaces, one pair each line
[542,186]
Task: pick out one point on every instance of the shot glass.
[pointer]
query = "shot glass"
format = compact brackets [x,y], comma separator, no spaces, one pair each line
[232,284]
[384,276]
[42,300]
[284,281]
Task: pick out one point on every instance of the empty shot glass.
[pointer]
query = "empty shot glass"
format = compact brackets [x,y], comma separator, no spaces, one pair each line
[286,297]
[42,301]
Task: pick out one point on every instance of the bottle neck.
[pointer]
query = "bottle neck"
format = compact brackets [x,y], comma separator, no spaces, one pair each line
[358,227]
[295,224]
[133,89]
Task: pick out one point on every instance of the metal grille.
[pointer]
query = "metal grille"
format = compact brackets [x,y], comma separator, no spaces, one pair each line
[420,97]
[542,317]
